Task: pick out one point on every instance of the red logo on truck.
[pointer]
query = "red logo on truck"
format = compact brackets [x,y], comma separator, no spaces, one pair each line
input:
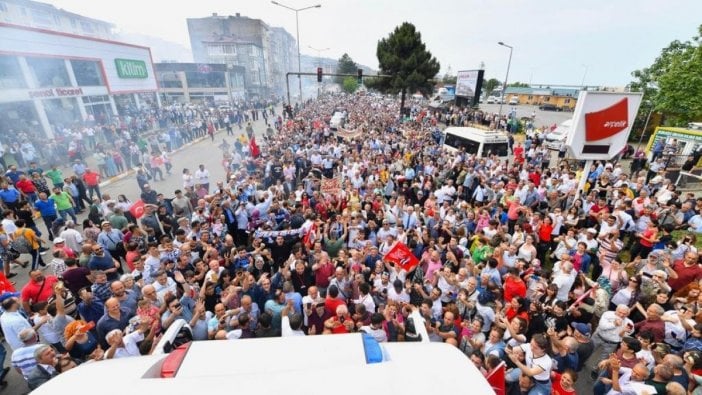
[608,122]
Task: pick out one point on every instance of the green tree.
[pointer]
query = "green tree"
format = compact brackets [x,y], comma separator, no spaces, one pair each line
[449,79]
[518,84]
[345,65]
[490,85]
[404,57]
[350,84]
[673,83]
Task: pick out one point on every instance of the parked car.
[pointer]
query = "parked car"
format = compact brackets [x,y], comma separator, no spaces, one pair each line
[549,107]
[514,101]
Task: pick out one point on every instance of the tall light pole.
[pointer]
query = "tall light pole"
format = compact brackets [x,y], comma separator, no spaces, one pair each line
[504,84]
[648,118]
[297,27]
[582,83]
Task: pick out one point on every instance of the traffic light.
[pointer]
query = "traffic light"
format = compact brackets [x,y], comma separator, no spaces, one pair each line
[360,77]
[319,74]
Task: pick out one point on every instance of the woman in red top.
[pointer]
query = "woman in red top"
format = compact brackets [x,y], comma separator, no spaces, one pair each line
[647,239]
[544,230]
[564,383]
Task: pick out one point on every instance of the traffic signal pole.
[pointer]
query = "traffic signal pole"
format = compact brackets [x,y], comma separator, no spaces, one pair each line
[359,75]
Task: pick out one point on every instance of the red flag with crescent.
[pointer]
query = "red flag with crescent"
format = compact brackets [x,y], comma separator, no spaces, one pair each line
[137,209]
[253,147]
[496,378]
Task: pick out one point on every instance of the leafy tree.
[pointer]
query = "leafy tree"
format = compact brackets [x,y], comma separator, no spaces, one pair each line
[404,57]
[673,83]
[449,79]
[345,65]
[350,84]
[518,84]
[490,85]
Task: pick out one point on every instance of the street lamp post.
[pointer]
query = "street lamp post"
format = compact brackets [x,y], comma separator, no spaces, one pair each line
[297,27]
[648,118]
[504,85]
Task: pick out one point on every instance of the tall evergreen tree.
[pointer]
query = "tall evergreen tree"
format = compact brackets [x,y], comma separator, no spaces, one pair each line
[346,65]
[404,57]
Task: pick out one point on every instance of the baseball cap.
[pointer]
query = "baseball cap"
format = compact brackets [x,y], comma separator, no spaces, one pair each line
[592,230]
[584,329]
[59,240]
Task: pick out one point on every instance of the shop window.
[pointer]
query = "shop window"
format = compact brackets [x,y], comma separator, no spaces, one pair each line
[205,80]
[62,112]
[567,101]
[18,116]
[87,72]
[49,72]
[10,73]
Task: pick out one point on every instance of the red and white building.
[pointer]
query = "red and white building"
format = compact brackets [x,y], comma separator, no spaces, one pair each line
[50,80]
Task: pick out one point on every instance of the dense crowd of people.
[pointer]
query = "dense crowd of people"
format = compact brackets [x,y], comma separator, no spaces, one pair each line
[515,266]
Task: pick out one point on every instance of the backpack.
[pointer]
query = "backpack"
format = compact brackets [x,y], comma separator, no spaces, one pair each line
[21,244]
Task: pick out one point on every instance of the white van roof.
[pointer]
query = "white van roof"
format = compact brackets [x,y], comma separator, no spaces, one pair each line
[276,365]
[475,134]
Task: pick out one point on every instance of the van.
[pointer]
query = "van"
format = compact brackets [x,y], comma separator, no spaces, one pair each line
[476,141]
[265,366]
[514,101]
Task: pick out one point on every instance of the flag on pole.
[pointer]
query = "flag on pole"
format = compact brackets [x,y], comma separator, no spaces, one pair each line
[253,147]
[496,378]
[402,256]
[137,209]
[553,127]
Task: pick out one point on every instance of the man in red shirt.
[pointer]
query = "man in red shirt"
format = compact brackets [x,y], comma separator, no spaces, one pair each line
[684,271]
[513,286]
[26,186]
[38,289]
[92,182]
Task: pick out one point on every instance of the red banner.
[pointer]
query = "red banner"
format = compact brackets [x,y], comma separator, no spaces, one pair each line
[496,378]
[401,256]
[137,209]
[330,185]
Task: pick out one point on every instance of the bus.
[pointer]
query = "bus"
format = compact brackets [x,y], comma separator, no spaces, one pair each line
[476,141]
[284,365]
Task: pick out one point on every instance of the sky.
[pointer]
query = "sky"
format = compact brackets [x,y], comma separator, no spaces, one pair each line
[555,42]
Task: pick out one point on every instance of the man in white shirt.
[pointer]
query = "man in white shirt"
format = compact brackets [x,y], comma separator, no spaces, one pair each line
[202,177]
[612,327]
[290,324]
[12,322]
[564,279]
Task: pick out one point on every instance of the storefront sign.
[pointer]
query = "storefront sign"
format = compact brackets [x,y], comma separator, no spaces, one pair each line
[56,92]
[130,68]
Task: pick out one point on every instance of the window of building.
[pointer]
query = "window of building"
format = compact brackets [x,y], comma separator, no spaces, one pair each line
[62,112]
[205,80]
[10,73]
[42,17]
[169,79]
[221,49]
[567,101]
[530,97]
[73,23]
[87,72]
[3,7]
[87,27]
[18,116]
[547,98]
[48,72]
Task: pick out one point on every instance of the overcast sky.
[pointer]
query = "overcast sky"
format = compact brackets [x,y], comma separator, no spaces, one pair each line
[555,42]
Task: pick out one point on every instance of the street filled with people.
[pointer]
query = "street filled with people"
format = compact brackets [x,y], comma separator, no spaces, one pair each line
[319,230]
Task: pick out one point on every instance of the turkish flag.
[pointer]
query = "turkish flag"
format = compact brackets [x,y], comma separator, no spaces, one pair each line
[496,378]
[253,147]
[553,127]
[137,209]
[402,256]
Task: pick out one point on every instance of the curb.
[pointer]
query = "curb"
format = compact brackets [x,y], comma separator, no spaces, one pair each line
[133,170]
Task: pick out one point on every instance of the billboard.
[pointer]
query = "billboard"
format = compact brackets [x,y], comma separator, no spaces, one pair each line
[466,83]
[468,86]
[602,122]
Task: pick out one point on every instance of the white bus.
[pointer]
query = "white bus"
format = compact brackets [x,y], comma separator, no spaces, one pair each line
[301,365]
[476,141]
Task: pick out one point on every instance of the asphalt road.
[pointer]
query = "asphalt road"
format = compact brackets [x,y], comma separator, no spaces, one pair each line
[543,118]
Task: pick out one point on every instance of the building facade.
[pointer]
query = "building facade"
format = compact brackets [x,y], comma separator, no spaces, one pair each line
[201,83]
[51,80]
[264,52]
[563,99]
[46,16]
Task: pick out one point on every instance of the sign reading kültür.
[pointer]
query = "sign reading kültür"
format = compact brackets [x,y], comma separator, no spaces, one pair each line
[130,68]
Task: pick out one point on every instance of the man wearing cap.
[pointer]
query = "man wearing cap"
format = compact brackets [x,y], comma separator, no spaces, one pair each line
[581,333]
[23,358]
[111,239]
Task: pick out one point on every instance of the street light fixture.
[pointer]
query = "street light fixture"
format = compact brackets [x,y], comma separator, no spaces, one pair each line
[504,85]
[297,27]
